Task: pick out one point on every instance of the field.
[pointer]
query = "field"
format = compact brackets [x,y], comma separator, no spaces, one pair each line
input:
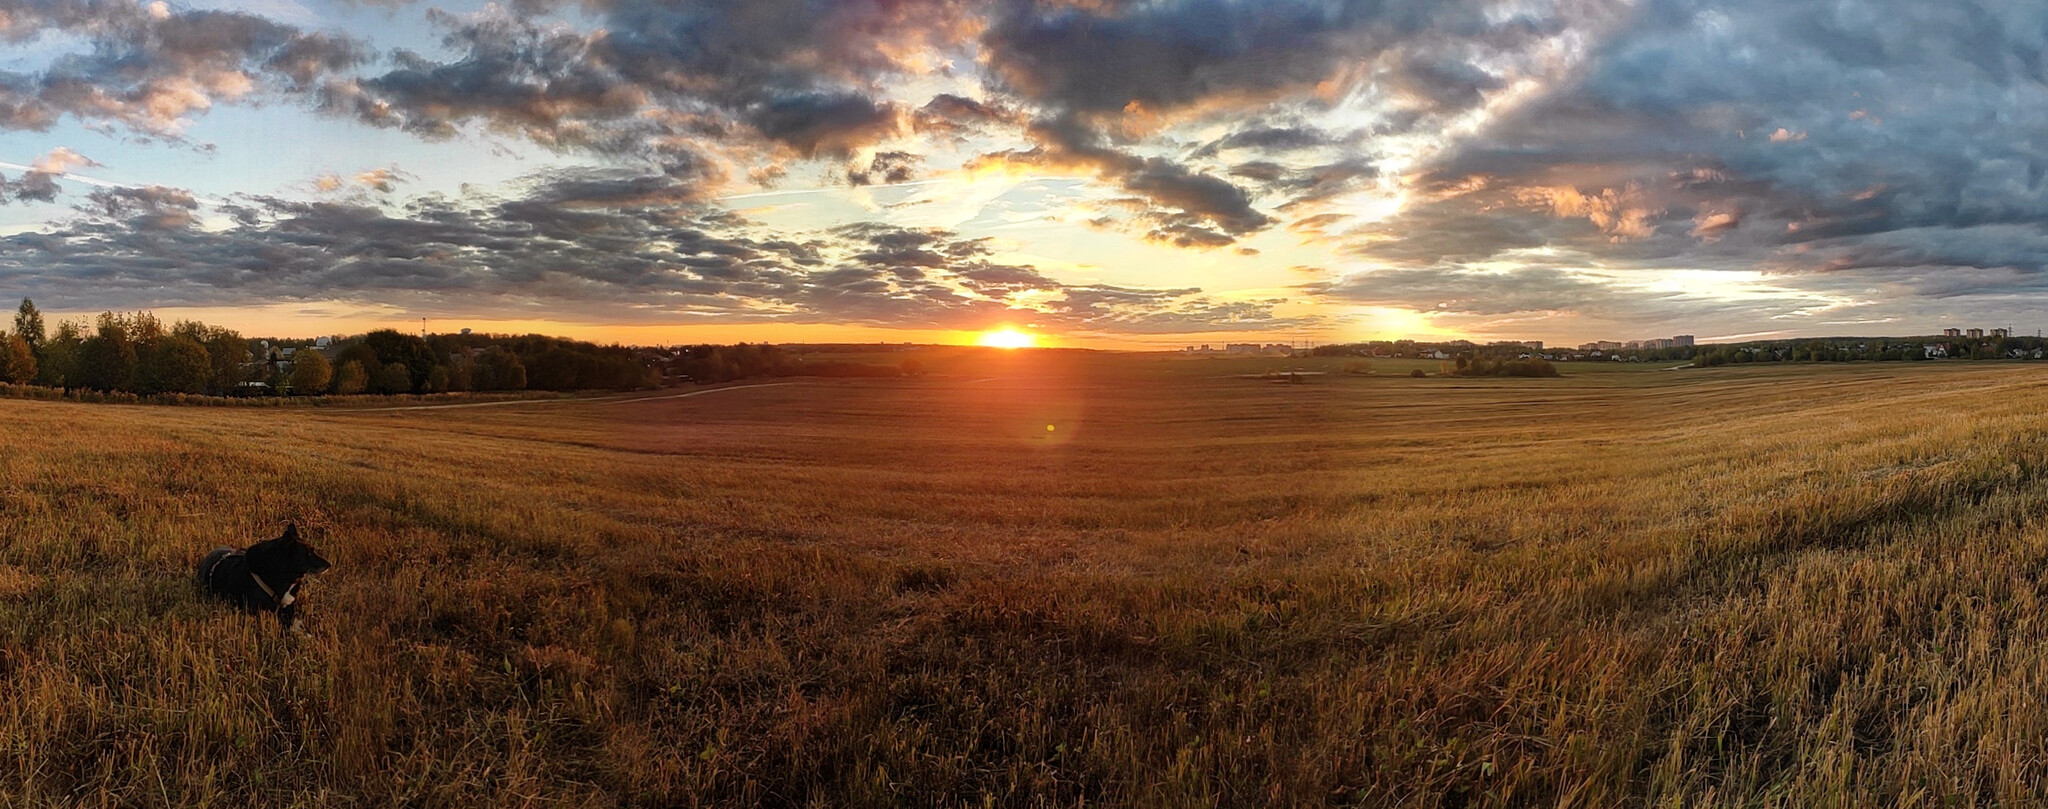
[1053,579]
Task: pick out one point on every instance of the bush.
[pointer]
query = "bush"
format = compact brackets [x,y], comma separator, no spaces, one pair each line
[1417,374]
[1531,367]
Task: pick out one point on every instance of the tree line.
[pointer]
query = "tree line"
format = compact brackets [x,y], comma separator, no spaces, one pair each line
[1873,349]
[137,353]
[1482,366]
[134,353]
[1805,349]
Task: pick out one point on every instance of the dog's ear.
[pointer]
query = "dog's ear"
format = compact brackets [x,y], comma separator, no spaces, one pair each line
[291,532]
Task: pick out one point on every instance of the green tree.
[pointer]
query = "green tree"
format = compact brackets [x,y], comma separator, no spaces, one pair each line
[498,369]
[460,371]
[394,347]
[226,353]
[17,360]
[391,379]
[174,364]
[351,379]
[107,360]
[362,355]
[28,324]
[310,372]
[559,368]
[437,379]
[57,363]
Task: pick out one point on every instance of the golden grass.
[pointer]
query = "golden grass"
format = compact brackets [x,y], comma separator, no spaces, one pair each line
[1792,586]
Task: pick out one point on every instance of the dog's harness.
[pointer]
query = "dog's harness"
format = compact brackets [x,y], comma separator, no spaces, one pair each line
[285,601]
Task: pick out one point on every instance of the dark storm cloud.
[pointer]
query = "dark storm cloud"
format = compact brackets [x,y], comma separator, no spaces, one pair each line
[592,243]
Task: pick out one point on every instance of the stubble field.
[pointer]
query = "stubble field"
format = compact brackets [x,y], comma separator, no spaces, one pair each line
[1053,579]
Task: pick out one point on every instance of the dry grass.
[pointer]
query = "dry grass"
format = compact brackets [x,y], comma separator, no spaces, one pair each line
[1802,586]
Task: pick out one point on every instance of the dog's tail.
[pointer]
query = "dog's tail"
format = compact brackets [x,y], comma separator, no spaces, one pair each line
[204,575]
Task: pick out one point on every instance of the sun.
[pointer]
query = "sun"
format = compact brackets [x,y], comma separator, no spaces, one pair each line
[1006,338]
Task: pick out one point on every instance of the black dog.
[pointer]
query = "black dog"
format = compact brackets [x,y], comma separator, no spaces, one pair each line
[265,576]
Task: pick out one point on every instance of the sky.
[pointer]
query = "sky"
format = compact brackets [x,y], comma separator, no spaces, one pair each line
[1110,173]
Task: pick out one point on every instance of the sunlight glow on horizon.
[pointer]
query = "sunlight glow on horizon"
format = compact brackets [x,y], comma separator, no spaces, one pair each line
[1006,338]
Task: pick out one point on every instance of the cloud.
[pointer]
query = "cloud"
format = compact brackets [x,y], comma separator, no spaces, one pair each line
[1843,153]
[1439,289]
[62,160]
[656,81]
[151,208]
[33,186]
[1102,59]
[1271,139]
[598,244]
[1853,152]
[150,69]
[886,168]
[1187,207]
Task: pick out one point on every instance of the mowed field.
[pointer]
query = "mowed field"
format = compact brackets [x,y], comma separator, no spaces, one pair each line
[1053,579]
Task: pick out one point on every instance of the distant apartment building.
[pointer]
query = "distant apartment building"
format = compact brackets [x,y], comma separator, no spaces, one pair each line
[1951,332]
[2001,332]
[1680,341]
[1975,334]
